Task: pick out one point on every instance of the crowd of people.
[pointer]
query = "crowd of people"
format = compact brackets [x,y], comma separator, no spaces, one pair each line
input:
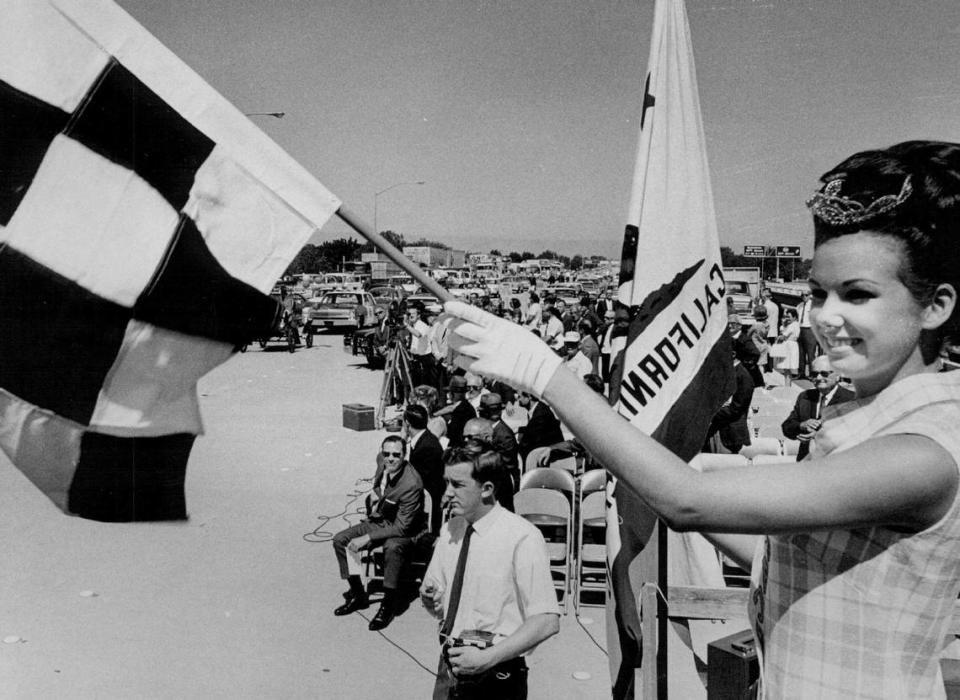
[854,549]
[463,444]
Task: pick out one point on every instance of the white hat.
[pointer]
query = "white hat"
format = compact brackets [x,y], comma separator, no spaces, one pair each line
[571,337]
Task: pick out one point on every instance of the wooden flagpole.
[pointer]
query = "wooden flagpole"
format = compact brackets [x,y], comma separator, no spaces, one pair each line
[405,263]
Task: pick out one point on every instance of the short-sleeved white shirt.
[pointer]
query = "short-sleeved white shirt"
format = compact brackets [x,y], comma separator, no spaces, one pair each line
[507,578]
[420,345]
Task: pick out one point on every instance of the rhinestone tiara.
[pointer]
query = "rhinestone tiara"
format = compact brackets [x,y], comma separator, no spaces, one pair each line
[830,206]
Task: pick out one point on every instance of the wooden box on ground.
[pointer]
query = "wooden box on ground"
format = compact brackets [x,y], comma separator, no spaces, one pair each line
[356,416]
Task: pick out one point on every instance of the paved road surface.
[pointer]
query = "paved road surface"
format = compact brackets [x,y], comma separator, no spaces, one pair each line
[234,603]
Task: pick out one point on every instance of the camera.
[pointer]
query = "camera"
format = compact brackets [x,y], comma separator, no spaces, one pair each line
[473,638]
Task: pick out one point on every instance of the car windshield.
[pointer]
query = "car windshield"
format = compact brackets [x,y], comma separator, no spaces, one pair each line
[737,287]
[340,299]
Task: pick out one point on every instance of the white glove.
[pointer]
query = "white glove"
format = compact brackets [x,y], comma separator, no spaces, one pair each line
[494,347]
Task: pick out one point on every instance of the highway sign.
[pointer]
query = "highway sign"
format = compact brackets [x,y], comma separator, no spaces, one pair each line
[788,251]
[753,251]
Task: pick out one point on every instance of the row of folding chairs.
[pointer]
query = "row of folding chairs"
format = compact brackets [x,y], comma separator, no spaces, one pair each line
[571,514]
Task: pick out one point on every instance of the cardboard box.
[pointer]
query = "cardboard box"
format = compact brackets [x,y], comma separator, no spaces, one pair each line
[357,416]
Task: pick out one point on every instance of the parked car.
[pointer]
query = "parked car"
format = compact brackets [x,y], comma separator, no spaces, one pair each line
[339,310]
[739,291]
[429,302]
[388,298]
[570,294]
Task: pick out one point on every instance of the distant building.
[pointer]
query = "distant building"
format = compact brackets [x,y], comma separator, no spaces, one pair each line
[485,266]
[382,268]
[430,256]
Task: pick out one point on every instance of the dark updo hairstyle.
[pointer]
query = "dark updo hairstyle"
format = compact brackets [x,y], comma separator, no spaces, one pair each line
[926,221]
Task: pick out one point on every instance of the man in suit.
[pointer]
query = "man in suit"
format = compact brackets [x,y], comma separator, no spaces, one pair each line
[503,439]
[730,422]
[807,341]
[381,332]
[805,419]
[543,428]
[773,322]
[458,413]
[605,303]
[396,517]
[426,456]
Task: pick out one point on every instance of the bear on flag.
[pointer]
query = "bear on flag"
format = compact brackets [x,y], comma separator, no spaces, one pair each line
[143,222]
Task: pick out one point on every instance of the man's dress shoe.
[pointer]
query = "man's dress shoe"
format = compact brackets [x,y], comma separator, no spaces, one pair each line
[355,601]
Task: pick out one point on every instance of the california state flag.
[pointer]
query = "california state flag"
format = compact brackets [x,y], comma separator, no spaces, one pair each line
[676,369]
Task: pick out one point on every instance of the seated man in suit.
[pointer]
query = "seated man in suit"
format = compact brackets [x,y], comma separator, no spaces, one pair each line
[458,412]
[426,456]
[572,447]
[504,441]
[543,428]
[805,419]
[382,333]
[396,517]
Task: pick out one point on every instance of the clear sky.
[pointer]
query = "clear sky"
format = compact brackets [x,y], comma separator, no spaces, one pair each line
[522,115]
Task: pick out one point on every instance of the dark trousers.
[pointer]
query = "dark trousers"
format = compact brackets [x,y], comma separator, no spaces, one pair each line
[808,350]
[396,553]
[768,367]
[422,369]
[507,681]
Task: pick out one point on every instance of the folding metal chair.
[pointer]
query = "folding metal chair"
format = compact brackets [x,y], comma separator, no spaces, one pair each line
[591,561]
[549,478]
[552,512]
[372,559]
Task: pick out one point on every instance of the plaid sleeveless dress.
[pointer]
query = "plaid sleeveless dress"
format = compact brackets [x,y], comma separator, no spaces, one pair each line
[863,613]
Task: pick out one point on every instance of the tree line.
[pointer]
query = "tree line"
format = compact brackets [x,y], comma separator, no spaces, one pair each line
[331,255]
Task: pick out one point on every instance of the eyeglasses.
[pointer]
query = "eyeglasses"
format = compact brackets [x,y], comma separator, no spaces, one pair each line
[392,454]
[475,438]
[823,374]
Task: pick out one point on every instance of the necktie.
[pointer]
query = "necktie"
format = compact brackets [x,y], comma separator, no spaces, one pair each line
[819,407]
[457,584]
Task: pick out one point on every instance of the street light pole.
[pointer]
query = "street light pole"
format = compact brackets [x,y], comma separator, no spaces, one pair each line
[376,196]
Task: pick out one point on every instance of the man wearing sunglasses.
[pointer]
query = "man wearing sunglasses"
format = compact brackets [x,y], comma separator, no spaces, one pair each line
[806,418]
[396,518]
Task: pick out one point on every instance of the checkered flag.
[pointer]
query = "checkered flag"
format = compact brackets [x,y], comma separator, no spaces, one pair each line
[143,221]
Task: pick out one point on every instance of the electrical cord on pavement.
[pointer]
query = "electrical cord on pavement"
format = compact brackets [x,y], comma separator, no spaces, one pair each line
[592,638]
[407,653]
[319,535]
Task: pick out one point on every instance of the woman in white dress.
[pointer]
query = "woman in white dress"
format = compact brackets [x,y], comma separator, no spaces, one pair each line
[789,363]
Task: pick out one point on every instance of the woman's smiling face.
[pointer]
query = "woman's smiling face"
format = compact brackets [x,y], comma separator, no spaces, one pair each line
[865,319]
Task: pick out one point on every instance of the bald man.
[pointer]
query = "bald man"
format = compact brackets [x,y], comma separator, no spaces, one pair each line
[806,417]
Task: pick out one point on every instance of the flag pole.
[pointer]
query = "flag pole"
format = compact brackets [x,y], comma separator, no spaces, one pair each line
[405,263]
